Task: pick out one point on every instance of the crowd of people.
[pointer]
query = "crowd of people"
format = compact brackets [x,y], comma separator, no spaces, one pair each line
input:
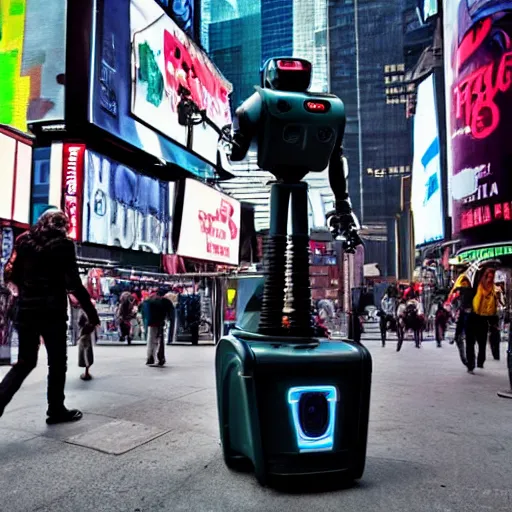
[477,310]
[478,316]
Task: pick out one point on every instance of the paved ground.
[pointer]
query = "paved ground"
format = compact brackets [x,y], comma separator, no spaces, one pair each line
[440,440]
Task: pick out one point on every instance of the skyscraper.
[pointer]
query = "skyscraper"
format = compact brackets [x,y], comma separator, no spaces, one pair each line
[311,39]
[367,71]
[276,28]
[231,34]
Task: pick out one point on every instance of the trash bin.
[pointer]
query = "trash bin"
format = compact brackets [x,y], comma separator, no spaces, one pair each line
[293,406]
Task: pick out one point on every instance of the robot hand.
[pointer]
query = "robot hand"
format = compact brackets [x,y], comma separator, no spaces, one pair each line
[343,225]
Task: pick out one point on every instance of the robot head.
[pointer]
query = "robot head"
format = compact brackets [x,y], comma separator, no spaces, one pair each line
[286,74]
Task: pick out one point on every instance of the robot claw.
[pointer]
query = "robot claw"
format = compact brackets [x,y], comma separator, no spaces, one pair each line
[343,226]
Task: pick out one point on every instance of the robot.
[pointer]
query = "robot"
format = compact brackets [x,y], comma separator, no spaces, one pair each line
[296,132]
[290,403]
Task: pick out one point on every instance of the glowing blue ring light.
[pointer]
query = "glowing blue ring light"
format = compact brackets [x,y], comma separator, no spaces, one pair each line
[324,442]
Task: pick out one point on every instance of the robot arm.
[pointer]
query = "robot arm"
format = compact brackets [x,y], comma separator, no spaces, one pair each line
[245,127]
[342,220]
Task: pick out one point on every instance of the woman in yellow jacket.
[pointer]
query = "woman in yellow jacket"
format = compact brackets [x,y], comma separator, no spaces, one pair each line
[485,314]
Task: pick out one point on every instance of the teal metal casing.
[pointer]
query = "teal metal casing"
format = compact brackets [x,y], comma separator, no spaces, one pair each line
[287,134]
[254,377]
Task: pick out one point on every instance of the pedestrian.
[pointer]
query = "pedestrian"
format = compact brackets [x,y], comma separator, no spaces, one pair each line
[156,310]
[442,318]
[485,313]
[126,312]
[44,270]
[85,342]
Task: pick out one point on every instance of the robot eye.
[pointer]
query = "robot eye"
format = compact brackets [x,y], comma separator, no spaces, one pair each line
[324,134]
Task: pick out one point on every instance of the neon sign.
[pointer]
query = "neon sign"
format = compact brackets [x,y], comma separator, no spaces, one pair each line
[482,215]
[486,253]
[475,96]
[72,177]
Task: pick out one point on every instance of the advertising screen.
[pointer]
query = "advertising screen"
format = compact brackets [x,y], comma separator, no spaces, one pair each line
[15,176]
[478,60]
[141,60]
[122,208]
[32,61]
[427,204]
[168,63]
[210,225]
[429,8]
[182,11]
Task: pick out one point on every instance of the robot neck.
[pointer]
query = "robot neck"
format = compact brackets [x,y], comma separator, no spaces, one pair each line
[289,175]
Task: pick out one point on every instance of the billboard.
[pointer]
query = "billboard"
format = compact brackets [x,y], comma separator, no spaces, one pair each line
[122,208]
[16,176]
[426,195]
[169,69]
[137,42]
[182,11]
[478,60]
[428,8]
[210,225]
[72,181]
[32,61]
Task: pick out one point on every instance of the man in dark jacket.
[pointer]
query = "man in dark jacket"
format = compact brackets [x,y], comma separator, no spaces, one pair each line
[43,268]
[155,311]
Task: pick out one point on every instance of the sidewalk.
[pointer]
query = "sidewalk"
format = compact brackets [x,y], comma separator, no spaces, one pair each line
[440,440]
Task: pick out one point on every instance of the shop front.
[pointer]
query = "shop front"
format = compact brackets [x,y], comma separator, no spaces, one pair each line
[137,235]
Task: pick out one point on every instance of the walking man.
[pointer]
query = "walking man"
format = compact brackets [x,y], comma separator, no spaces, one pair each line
[156,310]
[44,270]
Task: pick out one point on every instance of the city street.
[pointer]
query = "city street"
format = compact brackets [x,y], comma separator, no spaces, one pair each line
[440,439]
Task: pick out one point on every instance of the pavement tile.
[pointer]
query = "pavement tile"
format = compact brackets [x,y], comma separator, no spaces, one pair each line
[116,437]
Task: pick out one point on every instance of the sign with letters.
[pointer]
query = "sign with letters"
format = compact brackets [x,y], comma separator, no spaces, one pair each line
[210,225]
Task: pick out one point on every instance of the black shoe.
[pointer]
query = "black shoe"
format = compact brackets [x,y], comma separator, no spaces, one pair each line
[471,370]
[481,366]
[63,416]
[161,363]
[150,361]
[452,342]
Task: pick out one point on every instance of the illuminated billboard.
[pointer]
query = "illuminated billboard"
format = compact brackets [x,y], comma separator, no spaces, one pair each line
[122,208]
[429,9]
[32,61]
[182,11]
[170,69]
[478,60]
[210,227]
[426,195]
[144,65]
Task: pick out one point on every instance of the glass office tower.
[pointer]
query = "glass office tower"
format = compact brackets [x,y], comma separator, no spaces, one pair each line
[367,71]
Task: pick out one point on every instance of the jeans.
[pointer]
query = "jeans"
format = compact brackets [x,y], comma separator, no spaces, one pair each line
[494,336]
[477,330]
[155,341]
[172,324]
[54,334]
[125,327]
[461,323]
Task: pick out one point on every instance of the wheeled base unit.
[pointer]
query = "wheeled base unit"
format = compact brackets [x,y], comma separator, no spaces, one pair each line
[293,406]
